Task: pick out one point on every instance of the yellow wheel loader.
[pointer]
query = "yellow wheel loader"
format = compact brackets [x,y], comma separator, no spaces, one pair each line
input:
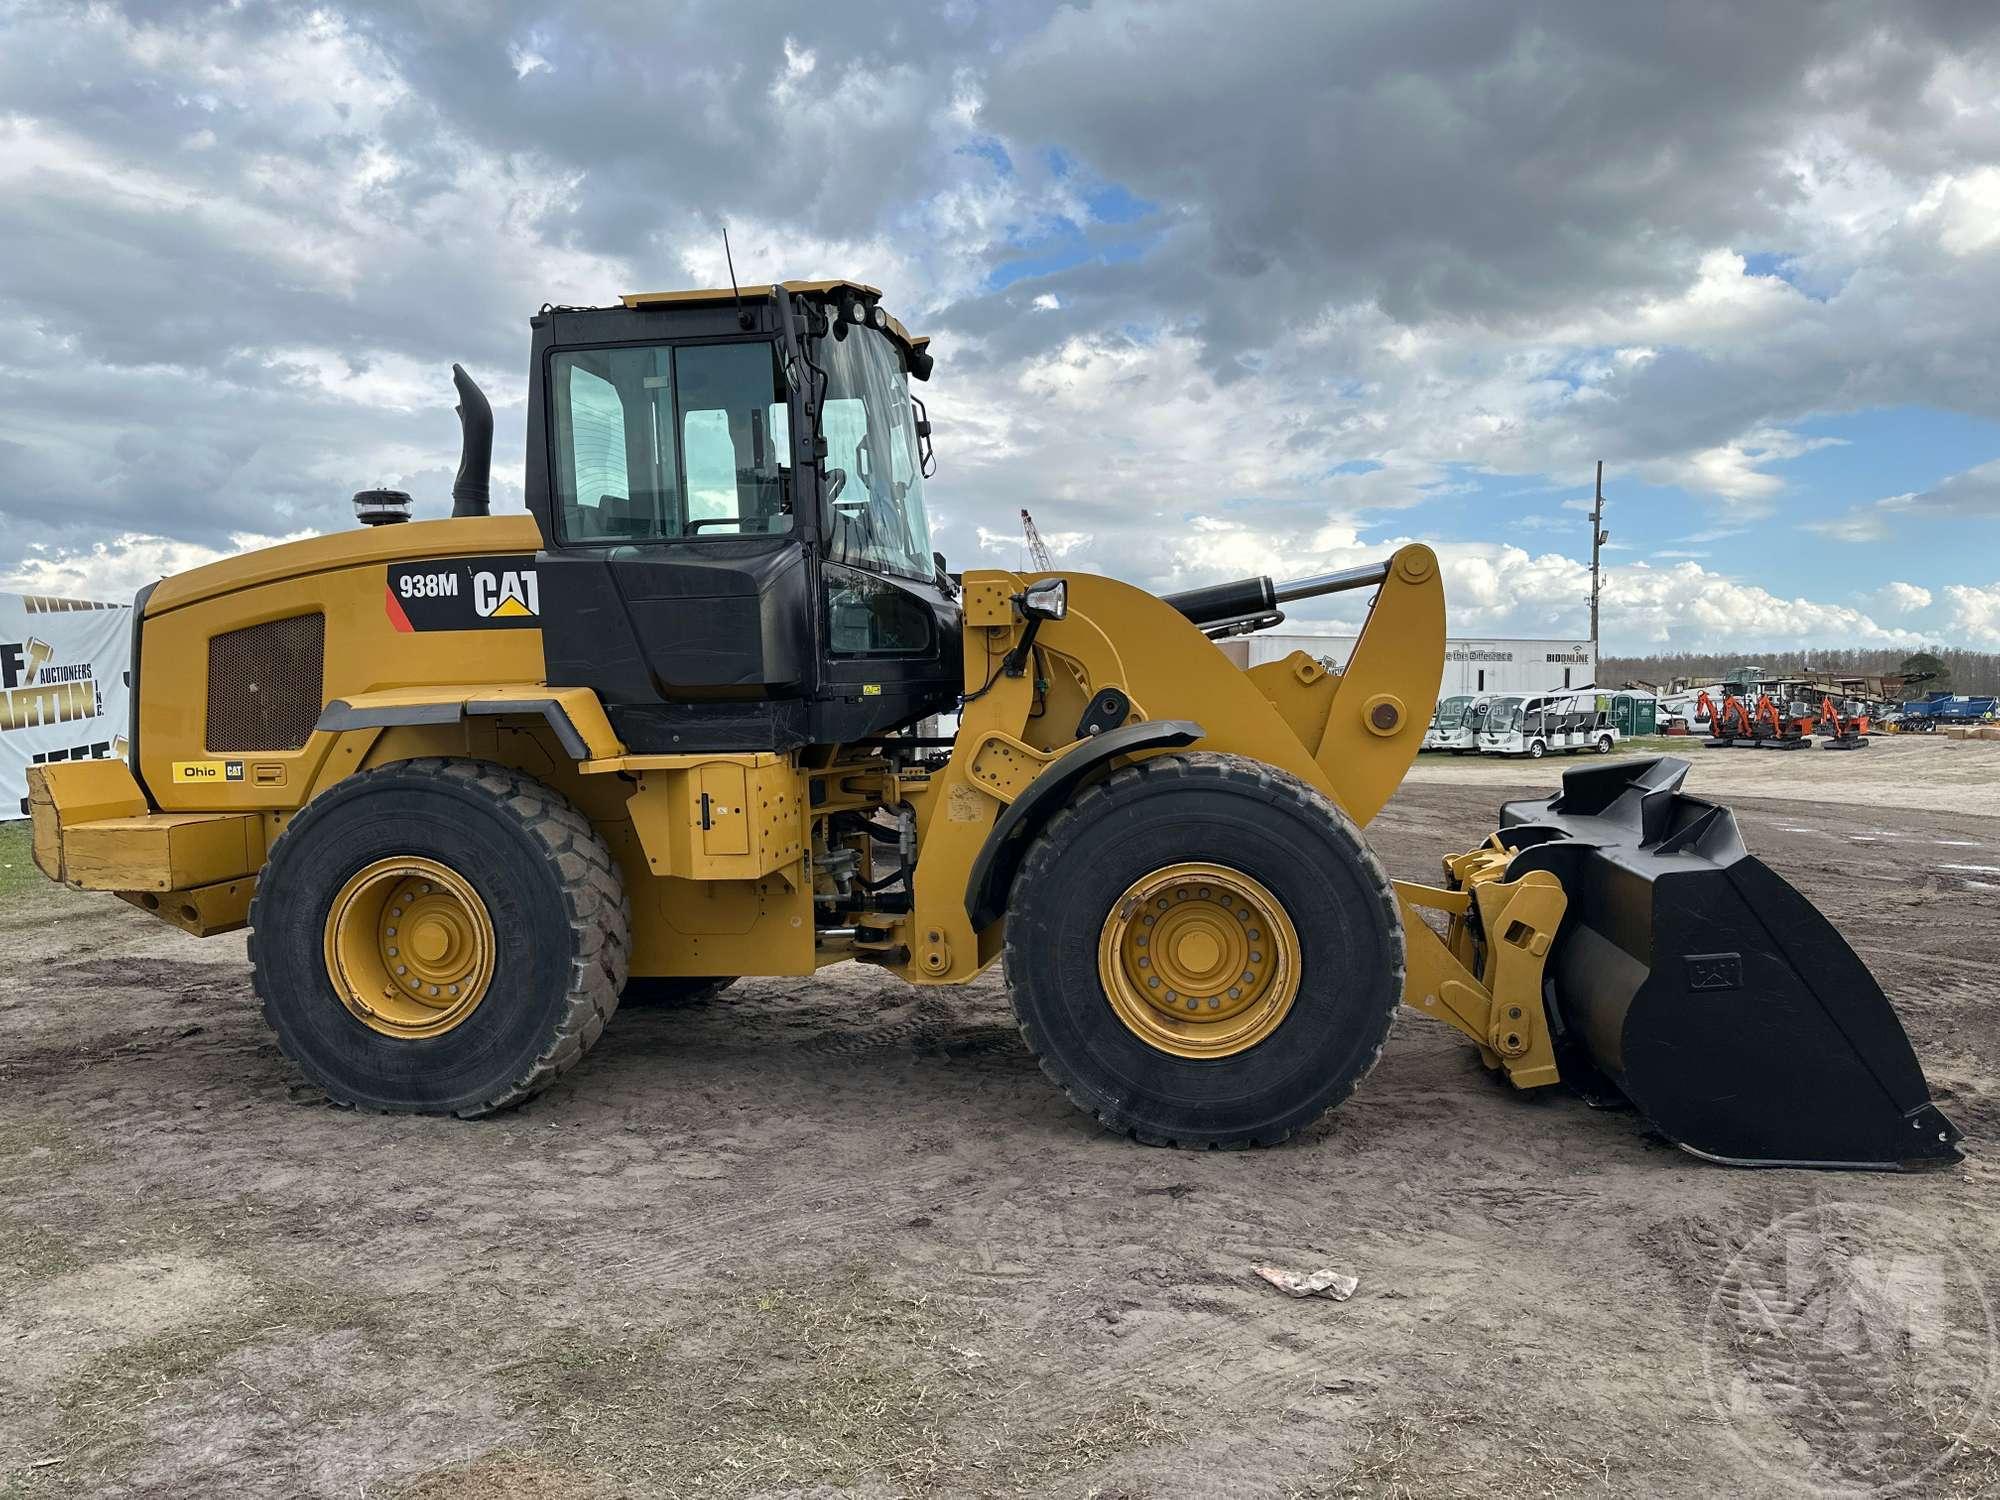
[469,781]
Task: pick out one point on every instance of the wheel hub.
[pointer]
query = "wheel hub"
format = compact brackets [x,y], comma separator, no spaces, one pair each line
[1199,960]
[409,947]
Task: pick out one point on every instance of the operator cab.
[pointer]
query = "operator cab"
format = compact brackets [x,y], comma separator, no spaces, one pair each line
[730,491]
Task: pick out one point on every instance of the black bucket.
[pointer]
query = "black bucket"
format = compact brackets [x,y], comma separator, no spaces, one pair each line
[1694,982]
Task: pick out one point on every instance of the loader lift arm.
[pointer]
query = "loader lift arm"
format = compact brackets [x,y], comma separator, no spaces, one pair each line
[1350,735]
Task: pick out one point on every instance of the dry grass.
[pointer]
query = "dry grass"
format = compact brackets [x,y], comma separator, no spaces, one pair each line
[41,1152]
[823,1381]
[29,1254]
[1452,1445]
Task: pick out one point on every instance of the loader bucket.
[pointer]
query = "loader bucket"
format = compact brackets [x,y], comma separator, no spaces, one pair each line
[1699,985]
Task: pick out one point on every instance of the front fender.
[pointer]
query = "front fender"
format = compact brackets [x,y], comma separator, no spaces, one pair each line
[1000,856]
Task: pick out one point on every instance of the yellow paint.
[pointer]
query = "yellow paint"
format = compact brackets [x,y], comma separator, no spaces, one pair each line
[1316,725]
[343,576]
[81,791]
[409,947]
[720,817]
[1485,976]
[737,895]
[202,912]
[729,296]
[162,851]
[366,547]
[1199,960]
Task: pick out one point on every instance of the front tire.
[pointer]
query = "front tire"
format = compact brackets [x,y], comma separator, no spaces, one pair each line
[480,891]
[1537,750]
[1225,861]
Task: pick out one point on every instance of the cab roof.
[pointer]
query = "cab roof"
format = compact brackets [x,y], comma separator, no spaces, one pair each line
[728,296]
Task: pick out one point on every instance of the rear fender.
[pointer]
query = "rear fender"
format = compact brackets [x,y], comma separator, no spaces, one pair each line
[573,715]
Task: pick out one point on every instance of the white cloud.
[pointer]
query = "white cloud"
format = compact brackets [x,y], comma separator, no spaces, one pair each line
[324,208]
[1864,523]
[114,571]
[1900,598]
[1975,612]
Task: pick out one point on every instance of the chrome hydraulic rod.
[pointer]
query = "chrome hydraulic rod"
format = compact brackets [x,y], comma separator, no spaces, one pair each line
[1363,577]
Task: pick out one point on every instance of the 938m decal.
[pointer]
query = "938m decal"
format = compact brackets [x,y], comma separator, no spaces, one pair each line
[479,593]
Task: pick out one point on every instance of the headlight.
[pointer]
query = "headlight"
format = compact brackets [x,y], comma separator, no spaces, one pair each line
[879,316]
[857,311]
[1047,600]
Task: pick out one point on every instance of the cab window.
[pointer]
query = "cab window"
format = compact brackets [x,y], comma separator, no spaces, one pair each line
[660,443]
[870,616]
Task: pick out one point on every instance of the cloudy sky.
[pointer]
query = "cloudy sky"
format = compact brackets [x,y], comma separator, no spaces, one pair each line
[1215,288]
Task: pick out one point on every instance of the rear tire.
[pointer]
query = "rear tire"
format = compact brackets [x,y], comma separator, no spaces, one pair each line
[557,920]
[1300,850]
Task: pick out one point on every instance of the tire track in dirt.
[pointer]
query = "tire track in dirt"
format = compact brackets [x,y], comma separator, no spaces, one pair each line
[1807,1322]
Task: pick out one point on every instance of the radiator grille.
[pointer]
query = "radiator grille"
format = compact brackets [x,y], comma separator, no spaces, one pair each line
[265,684]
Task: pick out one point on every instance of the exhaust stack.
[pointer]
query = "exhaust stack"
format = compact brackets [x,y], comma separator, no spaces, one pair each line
[472,490]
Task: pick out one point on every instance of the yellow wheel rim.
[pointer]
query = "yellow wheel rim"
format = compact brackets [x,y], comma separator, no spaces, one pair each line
[409,947]
[1199,960]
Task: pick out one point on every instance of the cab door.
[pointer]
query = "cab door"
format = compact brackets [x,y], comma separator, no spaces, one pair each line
[677,570]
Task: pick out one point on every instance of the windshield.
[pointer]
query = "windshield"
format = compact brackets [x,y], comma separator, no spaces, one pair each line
[874,489]
[1451,712]
[1504,718]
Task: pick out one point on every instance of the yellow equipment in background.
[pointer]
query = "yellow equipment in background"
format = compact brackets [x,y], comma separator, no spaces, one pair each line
[472,781]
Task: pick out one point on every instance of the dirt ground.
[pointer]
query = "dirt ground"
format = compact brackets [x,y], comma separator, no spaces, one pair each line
[840,1237]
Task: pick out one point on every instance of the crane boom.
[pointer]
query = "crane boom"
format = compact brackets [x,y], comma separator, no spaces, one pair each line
[1038,551]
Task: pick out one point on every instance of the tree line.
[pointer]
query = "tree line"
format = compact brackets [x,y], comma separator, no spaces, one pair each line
[1958,671]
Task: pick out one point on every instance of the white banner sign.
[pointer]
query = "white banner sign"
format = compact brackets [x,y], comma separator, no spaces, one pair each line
[63,694]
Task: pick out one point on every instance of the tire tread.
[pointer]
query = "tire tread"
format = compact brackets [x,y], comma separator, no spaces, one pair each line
[1270,785]
[595,909]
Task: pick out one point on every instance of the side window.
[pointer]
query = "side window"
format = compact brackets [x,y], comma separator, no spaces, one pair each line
[591,432]
[656,443]
[732,453]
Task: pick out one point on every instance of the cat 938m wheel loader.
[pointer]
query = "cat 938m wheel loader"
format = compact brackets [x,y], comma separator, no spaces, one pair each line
[470,780]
